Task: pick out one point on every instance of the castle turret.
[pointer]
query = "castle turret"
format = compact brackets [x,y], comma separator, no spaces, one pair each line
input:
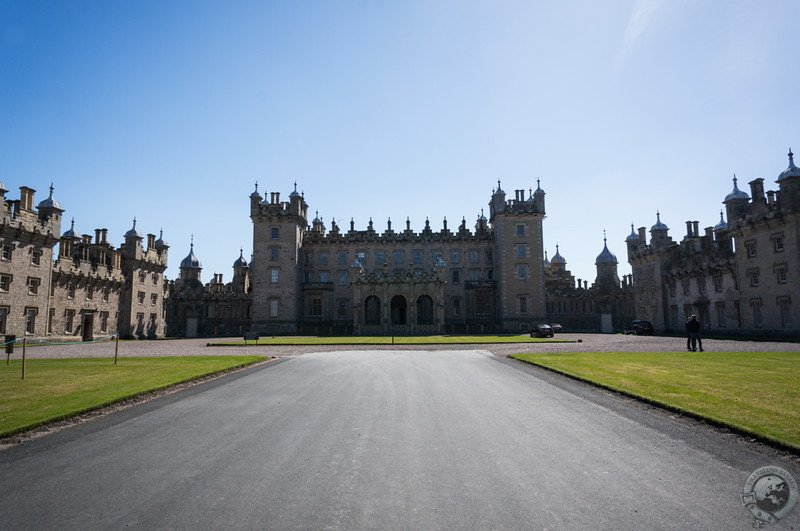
[736,202]
[789,182]
[191,268]
[606,264]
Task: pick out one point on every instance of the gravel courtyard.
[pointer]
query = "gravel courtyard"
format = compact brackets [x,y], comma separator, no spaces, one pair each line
[578,343]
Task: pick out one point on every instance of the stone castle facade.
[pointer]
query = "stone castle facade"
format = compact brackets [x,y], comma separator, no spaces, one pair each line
[738,277]
[307,278]
[84,290]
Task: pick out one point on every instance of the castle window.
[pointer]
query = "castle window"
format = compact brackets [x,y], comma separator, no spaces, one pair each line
[721,320]
[69,321]
[701,284]
[752,274]
[30,320]
[5,283]
[273,307]
[474,274]
[3,318]
[456,276]
[7,252]
[276,233]
[323,258]
[342,258]
[341,308]
[105,294]
[780,272]
[273,254]
[777,241]
[33,285]
[342,278]
[489,256]
[755,306]
[70,291]
[89,293]
[455,257]
[750,247]
[522,272]
[140,297]
[104,322]
[523,304]
[490,274]
[155,279]
[142,276]
[521,250]
[456,306]
[153,299]
[323,276]
[718,283]
[380,257]
[473,257]
[274,276]
[36,258]
[785,305]
[315,308]
[520,230]
[398,257]
[417,257]
[307,276]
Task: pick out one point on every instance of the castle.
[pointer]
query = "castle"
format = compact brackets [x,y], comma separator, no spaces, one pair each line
[306,278]
[89,289]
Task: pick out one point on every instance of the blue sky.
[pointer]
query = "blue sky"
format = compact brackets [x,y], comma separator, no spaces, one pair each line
[169,112]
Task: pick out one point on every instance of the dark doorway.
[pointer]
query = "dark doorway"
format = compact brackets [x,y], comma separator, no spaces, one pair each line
[399,310]
[88,327]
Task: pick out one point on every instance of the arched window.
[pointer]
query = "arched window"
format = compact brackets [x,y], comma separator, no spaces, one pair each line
[424,310]
[372,310]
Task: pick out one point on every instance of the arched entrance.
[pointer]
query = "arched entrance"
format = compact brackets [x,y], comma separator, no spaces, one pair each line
[399,310]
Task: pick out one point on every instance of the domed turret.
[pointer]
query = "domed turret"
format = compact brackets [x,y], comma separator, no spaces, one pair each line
[71,233]
[547,264]
[191,261]
[791,171]
[50,202]
[161,243]
[133,233]
[558,262]
[240,262]
[605,256]
[632,236]
[659,225]
[721,225]
[736,194]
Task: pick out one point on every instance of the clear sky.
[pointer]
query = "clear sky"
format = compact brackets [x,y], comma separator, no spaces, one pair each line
[170,111]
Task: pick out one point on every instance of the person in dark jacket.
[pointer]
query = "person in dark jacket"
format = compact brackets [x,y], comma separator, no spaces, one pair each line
[693,339]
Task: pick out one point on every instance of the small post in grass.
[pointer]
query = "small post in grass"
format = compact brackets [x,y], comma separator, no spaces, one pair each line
[116,347]
[24,343]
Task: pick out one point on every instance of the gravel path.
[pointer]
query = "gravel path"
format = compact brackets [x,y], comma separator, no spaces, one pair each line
[578,343]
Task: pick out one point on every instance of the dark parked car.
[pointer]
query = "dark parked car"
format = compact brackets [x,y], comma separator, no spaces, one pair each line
[542,330]
[639,328]
[556,327]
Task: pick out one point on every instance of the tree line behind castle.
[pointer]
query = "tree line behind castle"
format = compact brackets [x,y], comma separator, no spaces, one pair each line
[304,277]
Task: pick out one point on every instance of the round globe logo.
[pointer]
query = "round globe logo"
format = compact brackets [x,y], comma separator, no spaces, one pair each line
[770,493]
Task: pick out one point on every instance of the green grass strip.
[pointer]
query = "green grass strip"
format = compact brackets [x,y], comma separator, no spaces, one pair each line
[753,392]
[54,389]
[383,340]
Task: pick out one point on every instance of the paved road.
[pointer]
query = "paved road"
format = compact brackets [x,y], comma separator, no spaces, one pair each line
[402,439]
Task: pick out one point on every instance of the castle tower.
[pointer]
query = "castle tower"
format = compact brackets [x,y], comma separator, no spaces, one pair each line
[241,280]
[275,274]
[191,268]
[606,264]
[519,258]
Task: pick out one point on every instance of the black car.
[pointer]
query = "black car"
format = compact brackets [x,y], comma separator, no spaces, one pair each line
[542,330]
[639,328]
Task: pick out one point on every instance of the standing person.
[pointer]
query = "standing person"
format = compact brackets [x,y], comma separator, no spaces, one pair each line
[693,339]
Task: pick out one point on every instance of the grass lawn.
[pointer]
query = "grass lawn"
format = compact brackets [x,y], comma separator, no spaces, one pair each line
[397,340]
[754,392]
[58,388]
